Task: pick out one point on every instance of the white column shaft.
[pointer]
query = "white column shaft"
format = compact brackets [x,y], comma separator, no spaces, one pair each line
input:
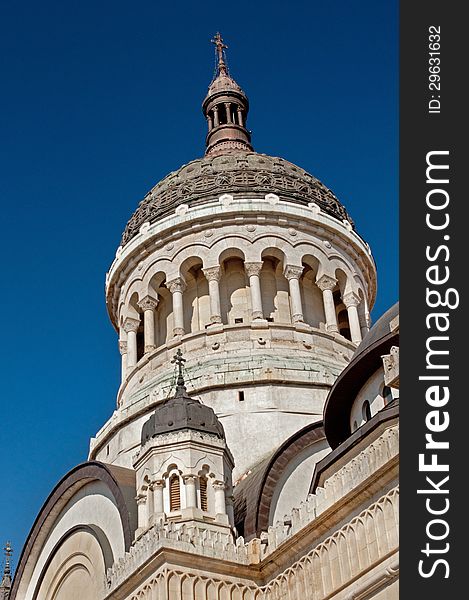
[256,297]
[295,297]
[354,323]
[149,329]
[131,349]
[214,292]
[158,499]
[191,494]
[220,503]
[329,311]
[178,312]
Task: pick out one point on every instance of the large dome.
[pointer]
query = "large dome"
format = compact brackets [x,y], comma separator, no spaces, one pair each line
[240,174]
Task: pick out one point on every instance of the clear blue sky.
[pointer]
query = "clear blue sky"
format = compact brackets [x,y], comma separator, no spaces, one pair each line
[99,101]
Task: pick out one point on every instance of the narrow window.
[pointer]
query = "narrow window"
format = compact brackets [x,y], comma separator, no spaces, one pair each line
[174,493]
[387,395]
[241,396]
[238,320]
[203,494]
[366,411]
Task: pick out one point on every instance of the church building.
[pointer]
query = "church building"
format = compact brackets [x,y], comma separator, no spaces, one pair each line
[253,449]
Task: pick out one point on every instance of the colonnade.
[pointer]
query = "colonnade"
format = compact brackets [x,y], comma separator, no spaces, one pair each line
[148,305]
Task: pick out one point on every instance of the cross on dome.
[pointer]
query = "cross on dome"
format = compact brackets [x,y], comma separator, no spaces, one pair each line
[220,47]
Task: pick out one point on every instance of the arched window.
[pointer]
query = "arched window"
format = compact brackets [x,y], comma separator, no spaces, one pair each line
[203,494]
[387,395]
[366,411]
[174,493]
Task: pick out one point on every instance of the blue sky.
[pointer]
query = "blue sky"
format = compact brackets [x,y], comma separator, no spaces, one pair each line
[99,101]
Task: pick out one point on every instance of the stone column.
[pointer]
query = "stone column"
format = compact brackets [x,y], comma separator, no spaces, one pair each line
[240,116]
[351,301]
[209,122]
[123,352]
[293,275]
[253,270]
[326,284]
[158,500]
[150,503]
[141,510]
[228,112]
[220,502]
[148,305]
[177,287]
[212,275]
[216,119]
[191,491]
[131,328]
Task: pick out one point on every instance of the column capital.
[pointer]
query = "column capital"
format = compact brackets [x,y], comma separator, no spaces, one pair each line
[159,483]
[292,272]
[188,479]
[176,285]
[351,299]
[131,324]
[148,303]
[141,499]
[219,485]
[212,273]
[253,268]
[326,282]
[122,347]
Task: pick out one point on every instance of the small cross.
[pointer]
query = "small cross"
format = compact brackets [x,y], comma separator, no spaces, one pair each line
[220,46]
[179,361]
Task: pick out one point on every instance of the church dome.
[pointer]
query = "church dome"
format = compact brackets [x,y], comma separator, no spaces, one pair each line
[182,412]
[239,174]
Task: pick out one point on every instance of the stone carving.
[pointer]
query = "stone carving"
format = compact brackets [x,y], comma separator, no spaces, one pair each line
[131,325]
[325,282]
[122,346]
[252,268]
[351,299]
[202,180]
[176,285]
[212,273]
[148,303]
[293,272]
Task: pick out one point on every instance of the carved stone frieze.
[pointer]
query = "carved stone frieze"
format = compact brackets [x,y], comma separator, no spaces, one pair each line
[239,174]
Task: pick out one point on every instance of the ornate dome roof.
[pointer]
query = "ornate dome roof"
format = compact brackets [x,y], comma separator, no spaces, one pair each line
[240,174]
[182,412]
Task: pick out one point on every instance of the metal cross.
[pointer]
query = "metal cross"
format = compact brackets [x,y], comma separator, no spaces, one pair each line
[220,46]
[179,361]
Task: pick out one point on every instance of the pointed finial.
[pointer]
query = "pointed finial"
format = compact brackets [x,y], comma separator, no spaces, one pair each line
[220,47]
[8,552]
[179,361]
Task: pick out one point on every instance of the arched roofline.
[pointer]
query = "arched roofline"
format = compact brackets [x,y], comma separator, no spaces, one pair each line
[115,478]
[259,503]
